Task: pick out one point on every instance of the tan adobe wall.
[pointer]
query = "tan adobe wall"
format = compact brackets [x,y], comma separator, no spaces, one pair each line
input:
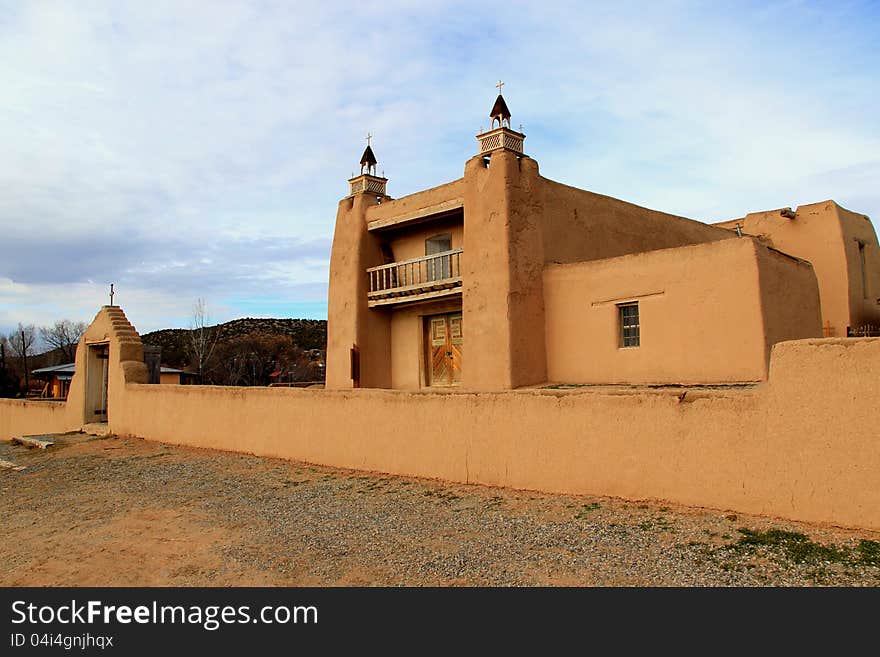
[701,314]
[789,296]
[579,225]
[350,321]
[825,234]
[802,446]
[502,292]
[21,418]
[864,294]
[778,451]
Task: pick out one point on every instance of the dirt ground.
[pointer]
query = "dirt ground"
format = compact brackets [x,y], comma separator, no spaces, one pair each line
[117,512]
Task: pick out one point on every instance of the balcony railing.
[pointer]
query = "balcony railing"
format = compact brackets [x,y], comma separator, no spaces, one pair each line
[419,278]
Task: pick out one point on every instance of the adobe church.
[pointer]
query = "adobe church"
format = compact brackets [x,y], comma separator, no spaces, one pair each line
[504,279]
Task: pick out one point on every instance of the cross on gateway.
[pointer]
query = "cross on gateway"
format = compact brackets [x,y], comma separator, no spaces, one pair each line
[499,85]
[368,138]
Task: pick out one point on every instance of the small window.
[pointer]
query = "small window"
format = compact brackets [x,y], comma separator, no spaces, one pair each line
[628,319]
[438,244]
[440,267]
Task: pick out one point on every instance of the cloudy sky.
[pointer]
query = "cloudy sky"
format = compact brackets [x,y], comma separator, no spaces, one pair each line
[199,149]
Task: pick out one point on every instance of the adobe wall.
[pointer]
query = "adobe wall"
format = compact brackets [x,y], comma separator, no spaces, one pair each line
[779,450]
[789,296]
[802,446]
[578,225]
[825,234]
[864,295]
[502,292]
[21,418]
[349,319]
[707,312]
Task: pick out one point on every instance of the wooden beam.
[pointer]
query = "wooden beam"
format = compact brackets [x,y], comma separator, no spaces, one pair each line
[413,298]
[429,213]
[32,442]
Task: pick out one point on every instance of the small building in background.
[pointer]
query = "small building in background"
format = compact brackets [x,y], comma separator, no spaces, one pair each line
[57,379]
[172,376]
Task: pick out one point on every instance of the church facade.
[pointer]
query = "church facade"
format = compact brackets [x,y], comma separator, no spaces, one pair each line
[505,279]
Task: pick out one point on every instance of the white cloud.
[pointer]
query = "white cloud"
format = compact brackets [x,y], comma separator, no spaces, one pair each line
[183,140]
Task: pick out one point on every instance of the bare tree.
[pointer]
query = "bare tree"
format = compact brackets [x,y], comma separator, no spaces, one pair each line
[203,337]
[64,335]
[22,340]
[8,383]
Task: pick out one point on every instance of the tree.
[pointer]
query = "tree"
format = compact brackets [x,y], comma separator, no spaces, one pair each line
[8,383]
[251,359]
[203,338]
[64,335]
[22,340]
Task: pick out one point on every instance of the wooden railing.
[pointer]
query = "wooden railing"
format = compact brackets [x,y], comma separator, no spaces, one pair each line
[418,276]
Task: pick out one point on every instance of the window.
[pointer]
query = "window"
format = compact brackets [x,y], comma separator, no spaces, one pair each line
[628,319]
[438,244]
[438,268]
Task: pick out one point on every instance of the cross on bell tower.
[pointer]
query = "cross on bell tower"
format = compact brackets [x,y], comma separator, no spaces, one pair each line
[500,135]
[367,181]
[368,159]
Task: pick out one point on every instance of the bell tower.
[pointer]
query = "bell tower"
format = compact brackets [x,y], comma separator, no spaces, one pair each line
[502,263]
[367,181]
[500,135]
[358,339]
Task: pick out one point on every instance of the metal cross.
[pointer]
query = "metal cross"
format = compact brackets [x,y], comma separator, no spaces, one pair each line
[368,138]
[111,294]
[499,85]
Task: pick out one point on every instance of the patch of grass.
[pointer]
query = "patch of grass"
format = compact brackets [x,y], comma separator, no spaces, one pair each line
[442,496]
[585,510]
[794,546]
[869,552]
[660,522]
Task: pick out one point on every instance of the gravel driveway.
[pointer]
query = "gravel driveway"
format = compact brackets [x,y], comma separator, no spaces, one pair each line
[109,511]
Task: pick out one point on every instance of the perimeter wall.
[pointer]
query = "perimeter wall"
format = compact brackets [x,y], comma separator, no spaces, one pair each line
[803,446]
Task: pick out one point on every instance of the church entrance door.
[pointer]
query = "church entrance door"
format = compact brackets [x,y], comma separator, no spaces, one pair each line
[444,344]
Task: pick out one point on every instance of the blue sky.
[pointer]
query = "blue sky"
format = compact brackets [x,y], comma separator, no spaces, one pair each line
[187,150]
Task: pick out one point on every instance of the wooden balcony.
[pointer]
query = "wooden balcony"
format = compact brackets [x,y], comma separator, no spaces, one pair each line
[427,277]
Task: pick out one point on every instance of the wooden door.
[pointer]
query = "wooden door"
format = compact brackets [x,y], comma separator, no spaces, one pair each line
[444,347]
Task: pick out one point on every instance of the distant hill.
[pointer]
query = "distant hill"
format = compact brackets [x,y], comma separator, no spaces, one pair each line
[304,333]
